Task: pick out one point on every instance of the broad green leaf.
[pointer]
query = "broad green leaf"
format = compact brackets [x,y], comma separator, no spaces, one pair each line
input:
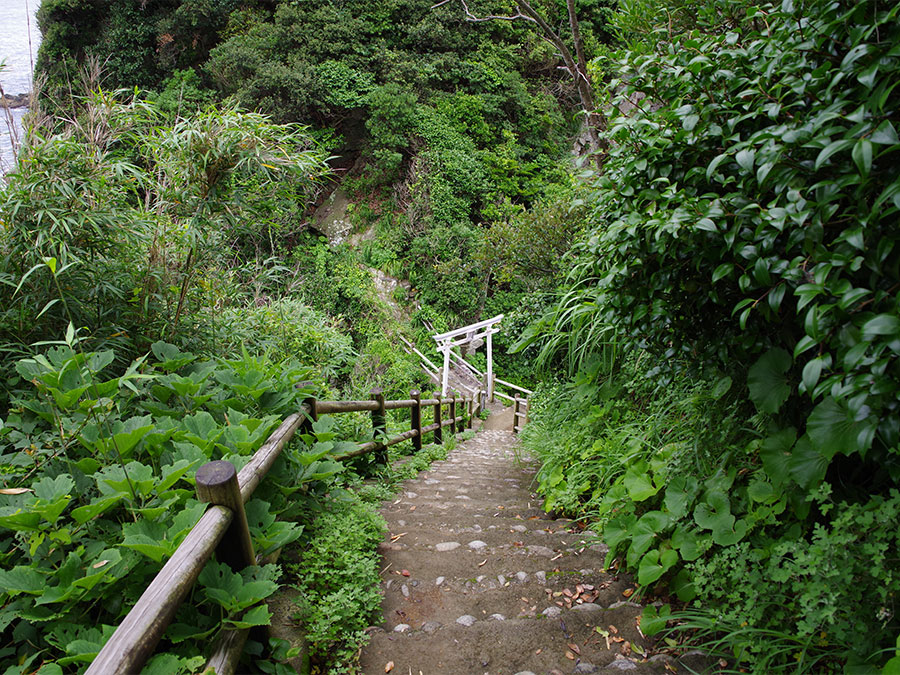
[618,530]
[154,549]
[16,518]
[51,489]
[883,324]
[722,271]
[769,387]
[714,164]
[637,482]
[807,465]
[22,579]
[831,149]
[179,632]
[99,569]
[862,156]
[258,616]
[128,434]
[171,473]
[833,429]
[653,621]
[714,513]
[683,586]
[680,494]
[775,453]
[729,536]
[811,373]
[688,542]
[721,387]
[885,134]
[762,491]
[650,568]
[892,667]
[745,158]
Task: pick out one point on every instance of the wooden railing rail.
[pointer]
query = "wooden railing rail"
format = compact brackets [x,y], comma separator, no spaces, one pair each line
[513,386]
[223,527]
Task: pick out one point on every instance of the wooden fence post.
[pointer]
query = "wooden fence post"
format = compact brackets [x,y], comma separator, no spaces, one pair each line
[452,413]
[415,419]
[311,417]
[379,426]
[470,408]
[217,483]
[438,433]
[516,415]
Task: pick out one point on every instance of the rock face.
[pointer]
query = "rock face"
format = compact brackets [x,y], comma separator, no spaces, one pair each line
[15,101]
[516,599]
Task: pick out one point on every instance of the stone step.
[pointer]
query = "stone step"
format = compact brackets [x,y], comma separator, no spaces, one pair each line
[486,539]
[478,580]
[498,560]
[512,646]
[514,595]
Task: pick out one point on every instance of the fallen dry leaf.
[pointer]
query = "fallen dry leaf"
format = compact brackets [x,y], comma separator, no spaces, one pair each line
[412,508]
[538,652]
[389,666]
[575,648]
[628,592]
[404,572]
[481,564]
[397,536]
[570,655]
[567,593]
[613,629]
[100,564]
[15,491]
[556,557]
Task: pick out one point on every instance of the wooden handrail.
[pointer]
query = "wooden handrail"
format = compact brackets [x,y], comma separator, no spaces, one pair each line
[135,639]
[512,386]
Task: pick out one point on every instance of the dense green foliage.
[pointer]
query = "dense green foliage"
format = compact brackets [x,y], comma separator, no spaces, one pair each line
[99,468]
[458,125]
[732,318]
[116,222]
[721,354]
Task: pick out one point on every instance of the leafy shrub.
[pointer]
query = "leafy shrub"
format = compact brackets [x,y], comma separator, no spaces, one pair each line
[738,251]
[98,471]
[338,579]
[740,221]
[819,585]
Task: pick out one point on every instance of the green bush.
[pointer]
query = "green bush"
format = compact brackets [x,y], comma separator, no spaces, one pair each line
[338,579]
[731,323]
[98,493]
[741,220]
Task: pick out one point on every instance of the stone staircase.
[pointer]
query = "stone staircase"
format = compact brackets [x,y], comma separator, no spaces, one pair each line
[477,579]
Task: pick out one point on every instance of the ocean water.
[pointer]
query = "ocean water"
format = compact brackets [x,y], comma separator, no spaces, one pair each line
[18,48]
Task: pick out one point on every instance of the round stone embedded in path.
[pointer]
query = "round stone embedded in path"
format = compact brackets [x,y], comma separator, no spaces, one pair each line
[466,620]
[477,544]
[445,546]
